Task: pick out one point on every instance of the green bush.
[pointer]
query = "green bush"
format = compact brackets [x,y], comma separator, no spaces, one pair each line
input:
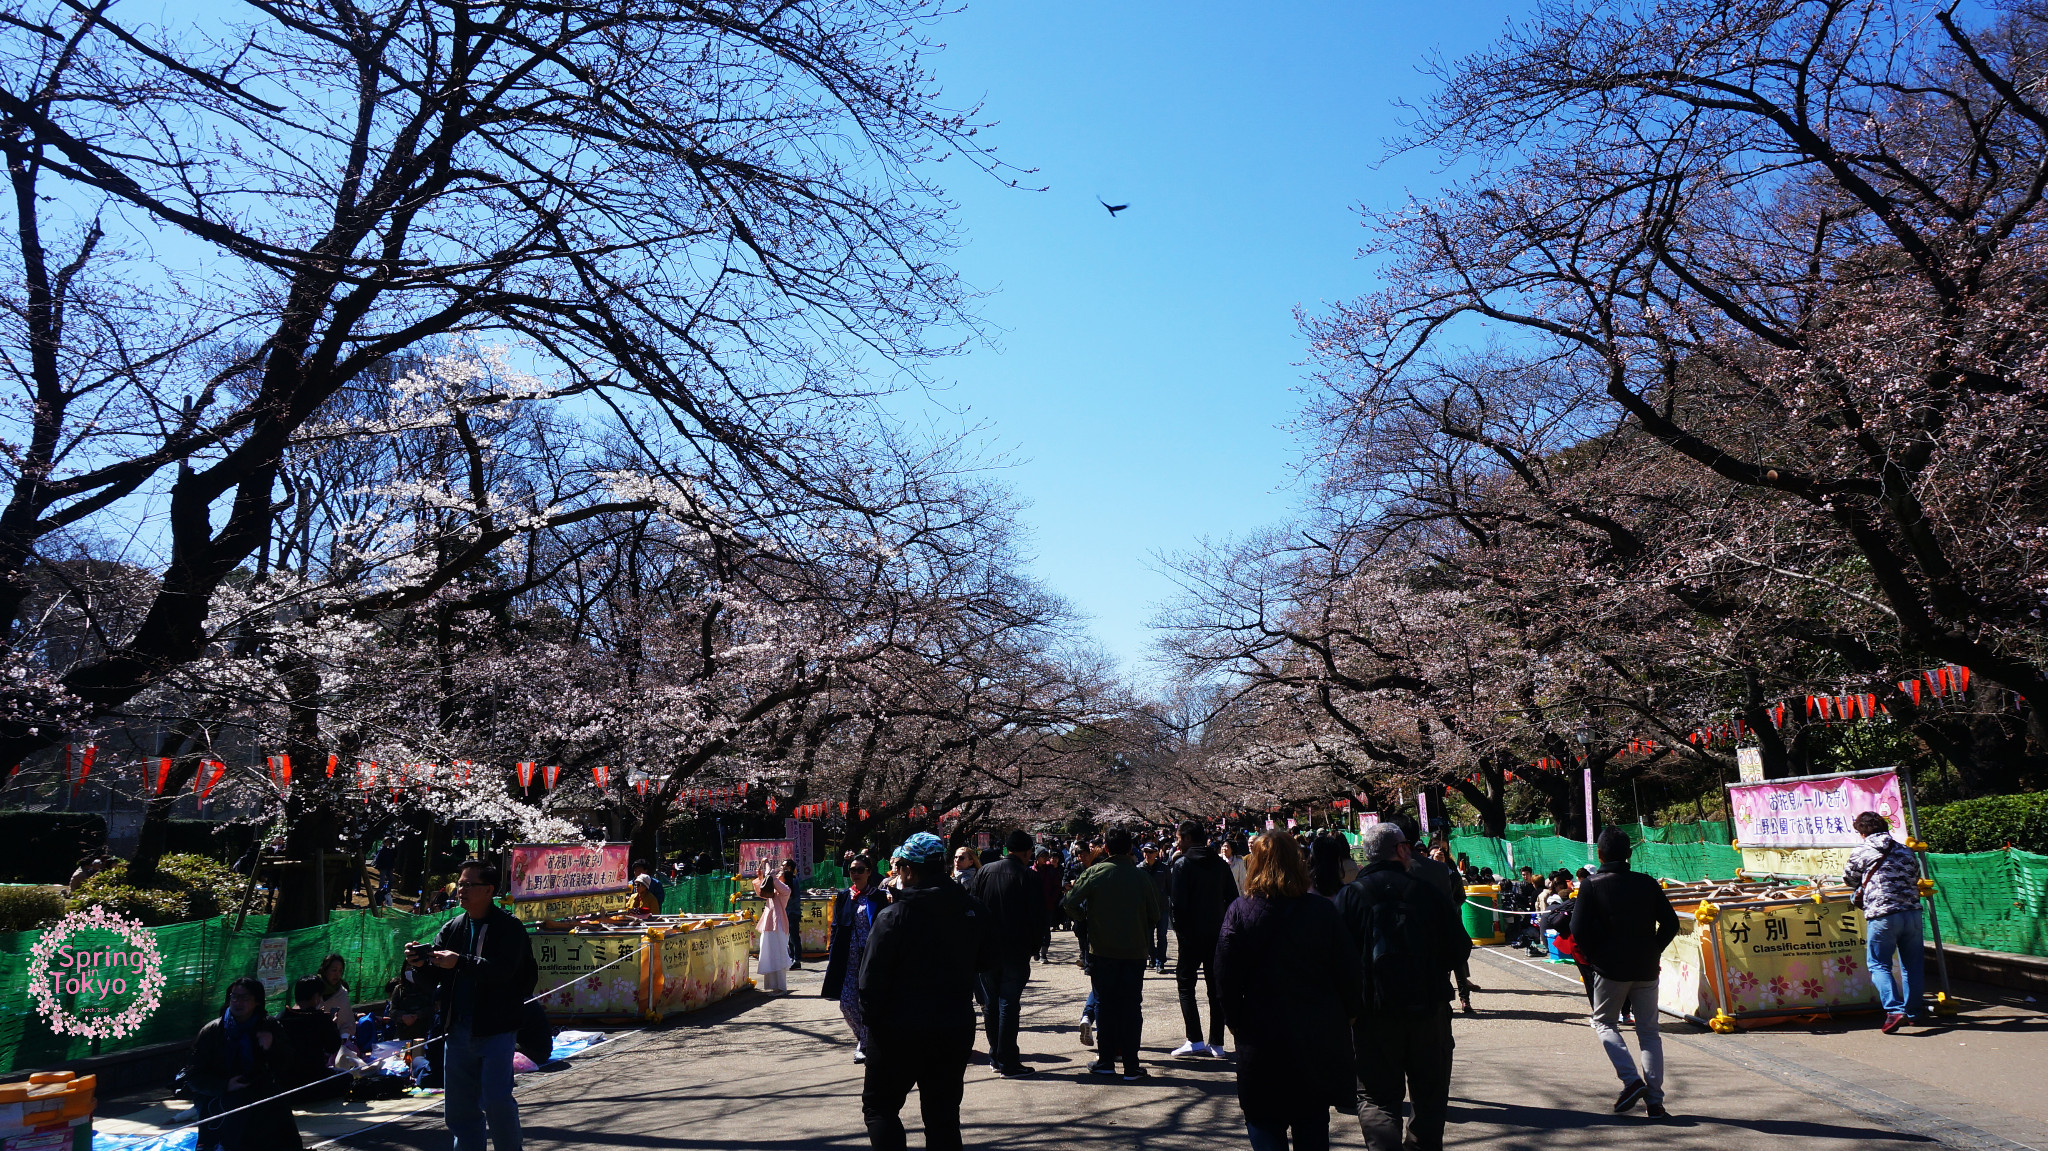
[188,887]
[23,906]
[1987,824]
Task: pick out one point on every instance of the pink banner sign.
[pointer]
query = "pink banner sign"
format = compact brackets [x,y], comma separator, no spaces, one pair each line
[1817,813]
[757,853]
[554,870]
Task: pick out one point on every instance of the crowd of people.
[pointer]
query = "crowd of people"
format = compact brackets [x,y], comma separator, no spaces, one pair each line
[1336,977]
[465,992]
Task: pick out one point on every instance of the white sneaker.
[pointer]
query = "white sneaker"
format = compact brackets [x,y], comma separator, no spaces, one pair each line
[1189,1048]
[1218,1052]
[1087,1033]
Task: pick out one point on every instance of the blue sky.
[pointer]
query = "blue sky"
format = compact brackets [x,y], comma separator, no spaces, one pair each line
[1145,368]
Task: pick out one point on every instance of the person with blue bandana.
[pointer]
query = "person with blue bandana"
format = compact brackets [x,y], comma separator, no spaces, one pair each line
[917,980]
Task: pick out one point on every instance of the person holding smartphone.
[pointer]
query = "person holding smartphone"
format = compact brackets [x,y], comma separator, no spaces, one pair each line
[482,970]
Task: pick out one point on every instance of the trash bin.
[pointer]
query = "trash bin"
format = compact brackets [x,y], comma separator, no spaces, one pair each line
[1482,924]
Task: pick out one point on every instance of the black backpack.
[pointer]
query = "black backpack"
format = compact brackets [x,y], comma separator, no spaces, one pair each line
[1402,971]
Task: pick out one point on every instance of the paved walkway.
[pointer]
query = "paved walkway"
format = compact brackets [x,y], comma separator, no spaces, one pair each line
[777,1072]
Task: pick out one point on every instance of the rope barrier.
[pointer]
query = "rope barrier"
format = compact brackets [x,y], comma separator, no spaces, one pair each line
[429,1040]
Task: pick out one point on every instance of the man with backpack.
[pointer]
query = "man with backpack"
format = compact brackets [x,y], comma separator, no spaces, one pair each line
[1619,929]
[1409,940]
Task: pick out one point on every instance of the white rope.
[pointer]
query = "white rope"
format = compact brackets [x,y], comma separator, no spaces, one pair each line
[431,1040]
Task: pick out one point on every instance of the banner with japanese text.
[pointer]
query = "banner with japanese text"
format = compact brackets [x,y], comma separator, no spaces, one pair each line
[1785,959]
[1813,813]
[535,910]
[756,852]
[556,870]
[575,965]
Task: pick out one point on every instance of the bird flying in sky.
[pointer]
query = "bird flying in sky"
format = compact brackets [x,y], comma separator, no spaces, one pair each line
[1113,208]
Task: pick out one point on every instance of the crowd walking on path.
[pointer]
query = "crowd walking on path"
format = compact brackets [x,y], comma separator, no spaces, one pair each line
[1336,976]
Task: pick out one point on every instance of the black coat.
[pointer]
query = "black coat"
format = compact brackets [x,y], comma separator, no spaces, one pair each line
[1014,894]
[503,968]
[1290,989]
[842,936]
[211,1065]
[918,972]
[1202,891]
[314,1040]
[1436,917]
[1622,922]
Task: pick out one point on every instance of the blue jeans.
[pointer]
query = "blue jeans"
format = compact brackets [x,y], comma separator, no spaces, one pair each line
[1119,994]
[1003,988]
[477,1077]
[1897,933]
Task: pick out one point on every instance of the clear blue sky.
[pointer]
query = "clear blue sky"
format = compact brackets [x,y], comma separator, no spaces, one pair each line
[1146,367]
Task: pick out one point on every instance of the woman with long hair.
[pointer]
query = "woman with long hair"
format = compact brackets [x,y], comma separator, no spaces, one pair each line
[334,995]
[1326,859]
[853,917]
[1289,993]
[774,895]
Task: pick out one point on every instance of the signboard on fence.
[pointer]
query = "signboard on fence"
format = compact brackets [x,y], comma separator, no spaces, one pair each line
[1795,860]
[798,831]
[700,966]
[1807,956]
[570,963]
[270,956]
[535,910]
[1811,813]
[559,870]
[754,853]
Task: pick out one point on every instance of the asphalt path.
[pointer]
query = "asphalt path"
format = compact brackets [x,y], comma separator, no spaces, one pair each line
[777,1071]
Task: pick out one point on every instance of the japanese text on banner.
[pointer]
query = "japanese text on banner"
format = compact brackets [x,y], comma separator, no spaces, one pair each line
[1817,813]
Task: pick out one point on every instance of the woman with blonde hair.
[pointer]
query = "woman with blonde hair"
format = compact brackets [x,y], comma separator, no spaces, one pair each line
[1289,993]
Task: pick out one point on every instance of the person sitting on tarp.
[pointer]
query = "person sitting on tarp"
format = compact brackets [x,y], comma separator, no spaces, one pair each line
[314,1042]
[237,1060]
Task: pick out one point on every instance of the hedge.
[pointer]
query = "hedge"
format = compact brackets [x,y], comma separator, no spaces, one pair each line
[1987,824]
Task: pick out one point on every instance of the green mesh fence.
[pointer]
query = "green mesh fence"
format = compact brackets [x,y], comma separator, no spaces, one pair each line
[1996,900]
[712,894]
[200,960]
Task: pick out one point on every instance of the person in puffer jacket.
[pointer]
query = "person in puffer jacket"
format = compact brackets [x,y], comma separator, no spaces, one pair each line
[1886,876]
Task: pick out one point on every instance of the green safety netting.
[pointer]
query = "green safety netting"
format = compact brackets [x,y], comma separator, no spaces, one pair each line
[1992,899]
[1997,900]
[200,960]
[1706,831]
[712,894]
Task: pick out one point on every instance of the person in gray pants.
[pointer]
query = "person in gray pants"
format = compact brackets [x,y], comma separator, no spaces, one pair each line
[1620,926]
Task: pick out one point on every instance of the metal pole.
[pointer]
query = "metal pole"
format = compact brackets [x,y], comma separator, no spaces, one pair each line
[1919,860]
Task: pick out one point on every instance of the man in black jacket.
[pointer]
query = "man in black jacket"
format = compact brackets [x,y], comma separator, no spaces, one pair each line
[917,993]
[481,966]
[1015,897]
[1408,940]
[1202,890]
[1619,928]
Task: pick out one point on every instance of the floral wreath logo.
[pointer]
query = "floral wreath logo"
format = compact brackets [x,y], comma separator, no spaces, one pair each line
[140,968]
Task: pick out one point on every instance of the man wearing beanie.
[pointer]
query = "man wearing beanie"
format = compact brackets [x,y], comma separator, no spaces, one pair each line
[1620,927]
[917,980]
